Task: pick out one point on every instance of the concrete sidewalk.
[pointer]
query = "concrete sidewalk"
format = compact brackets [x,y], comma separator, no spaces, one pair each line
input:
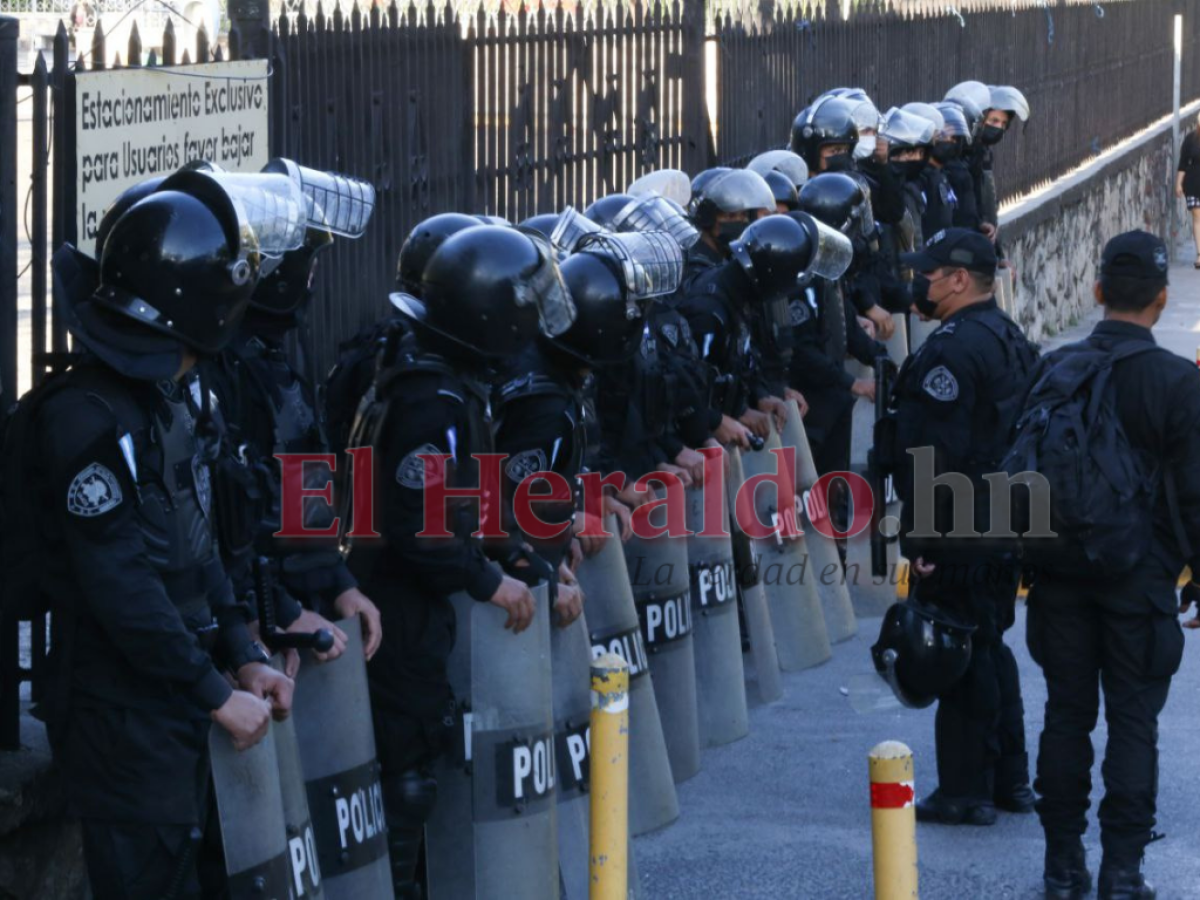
[784,813]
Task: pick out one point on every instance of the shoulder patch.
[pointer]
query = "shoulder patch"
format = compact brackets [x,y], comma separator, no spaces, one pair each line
[524,464]
[940,384]
[93,492]
[411,471]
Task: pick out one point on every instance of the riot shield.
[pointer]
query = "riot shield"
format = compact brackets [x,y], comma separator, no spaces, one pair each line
[570,667]
[658,574]
[872,577]
[336,739]
[897,344]
[493,831]
[754,600]
[801,640]
[825,564]
[614,628]
[717,642]
[919,330]
[251,813]
[301,839]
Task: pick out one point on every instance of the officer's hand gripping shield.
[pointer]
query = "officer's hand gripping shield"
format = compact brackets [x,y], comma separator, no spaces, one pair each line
[614,628]
[493,832]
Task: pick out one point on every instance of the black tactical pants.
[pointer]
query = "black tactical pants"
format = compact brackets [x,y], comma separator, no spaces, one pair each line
[141,862]
[1085,643]
[979,729]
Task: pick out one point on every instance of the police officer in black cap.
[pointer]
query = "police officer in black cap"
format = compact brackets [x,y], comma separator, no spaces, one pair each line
[268,408]
[485,292]
[953,405]
[146,627]
[1089,632]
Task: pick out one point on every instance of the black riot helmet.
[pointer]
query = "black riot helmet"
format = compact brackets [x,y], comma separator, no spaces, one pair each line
[181,264]
[922,652]
[783,189]
[828,121]
[972,115]
[604,211]
[955,127]
[543,224]
[1007,98]
[773,252]
[838,200]
[130,196]
[701,181]
[421,244]
[285,289]
[608,326]
[734,191]
[488,290]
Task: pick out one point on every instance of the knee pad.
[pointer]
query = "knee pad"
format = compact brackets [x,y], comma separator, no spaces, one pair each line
[409,798]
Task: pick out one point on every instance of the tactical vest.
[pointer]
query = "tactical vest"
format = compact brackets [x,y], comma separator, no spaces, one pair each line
[571,442]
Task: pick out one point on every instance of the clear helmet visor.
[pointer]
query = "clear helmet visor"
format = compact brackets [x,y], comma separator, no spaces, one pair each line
[546,290]
[927,111]
[654,213]
[270,208]
[787,163]
[335,203]
[571,228]
[976,92]
[673,184]
[740,190]
[651,263]
[832,252]
[909,129]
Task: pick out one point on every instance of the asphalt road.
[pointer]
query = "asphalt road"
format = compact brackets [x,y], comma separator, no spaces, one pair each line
[784,813]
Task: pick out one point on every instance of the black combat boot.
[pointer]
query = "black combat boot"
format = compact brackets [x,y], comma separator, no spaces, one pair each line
[1123,880]
[408,800]
[1066,875]
[950,811]
[1013,793]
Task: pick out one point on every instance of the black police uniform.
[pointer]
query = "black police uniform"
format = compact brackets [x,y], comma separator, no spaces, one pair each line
[966,206]
[940,200]
[269,408]
[144,621]
[959,394]
[423,404]
[699,258]
[1087,633]
[540,427]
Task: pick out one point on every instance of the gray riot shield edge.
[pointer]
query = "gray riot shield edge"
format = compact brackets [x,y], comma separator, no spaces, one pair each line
[871,594]
[570,667]
[251,812]
[336,739]
[658,575]
[919,330]
[801,640]
[826,565]
[716,638]
[766,674]
[301,839]
[493,832]
[614,628]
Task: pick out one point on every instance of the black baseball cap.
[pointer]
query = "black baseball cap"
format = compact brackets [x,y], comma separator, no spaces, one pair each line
[956,248]
[1135,254]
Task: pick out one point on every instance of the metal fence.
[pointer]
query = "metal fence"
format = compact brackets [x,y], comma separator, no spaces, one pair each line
[1093,73]
[507,115]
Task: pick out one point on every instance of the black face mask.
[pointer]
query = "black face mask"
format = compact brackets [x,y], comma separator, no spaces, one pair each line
[920,296]
[839,162]
[728,232]
[991,135]
[945,152]
[907,169]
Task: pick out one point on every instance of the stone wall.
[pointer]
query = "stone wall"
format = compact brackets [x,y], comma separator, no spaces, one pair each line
[1054,238]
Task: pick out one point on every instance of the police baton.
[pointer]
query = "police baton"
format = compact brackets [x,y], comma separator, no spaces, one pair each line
[268,627]
[885,372]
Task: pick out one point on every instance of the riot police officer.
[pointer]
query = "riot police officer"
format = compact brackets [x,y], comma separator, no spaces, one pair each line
[908,138]
[485,293]
[268,408]
[939,199]
[826,134]
[954,403]
[145,622]
[950,152]
[722,206]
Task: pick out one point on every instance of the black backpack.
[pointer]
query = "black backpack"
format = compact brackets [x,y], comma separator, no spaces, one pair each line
[1102,488]
[357,362]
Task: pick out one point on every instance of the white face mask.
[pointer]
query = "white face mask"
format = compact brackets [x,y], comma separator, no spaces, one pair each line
[865,147]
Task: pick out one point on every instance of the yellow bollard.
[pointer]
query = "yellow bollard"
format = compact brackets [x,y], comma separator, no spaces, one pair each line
[610,778]
[893,821]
